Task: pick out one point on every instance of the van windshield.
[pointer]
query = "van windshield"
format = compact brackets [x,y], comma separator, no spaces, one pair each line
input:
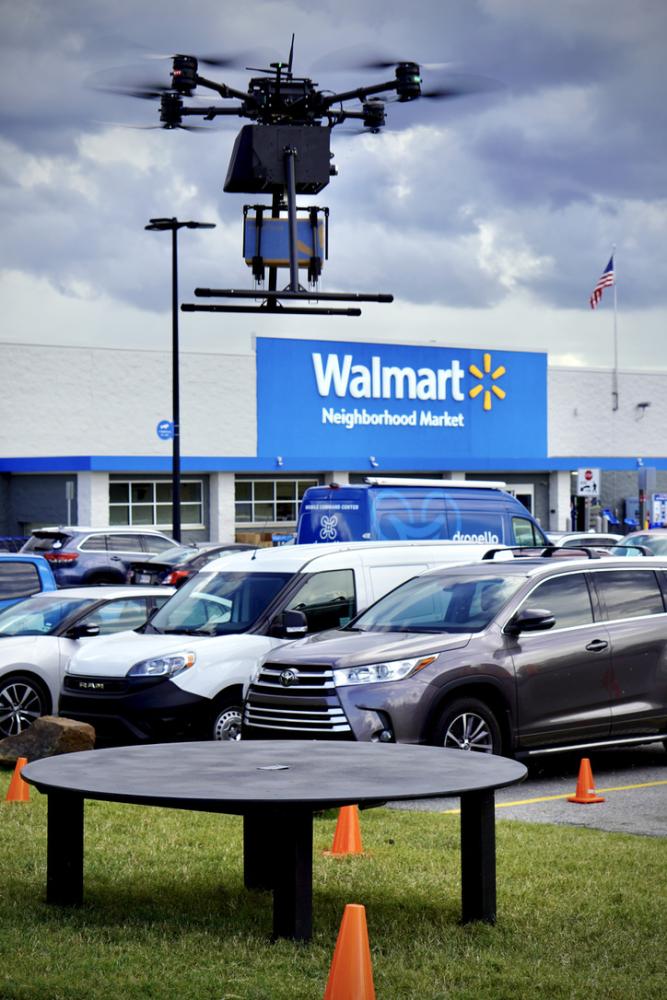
[219,603]
[456,603]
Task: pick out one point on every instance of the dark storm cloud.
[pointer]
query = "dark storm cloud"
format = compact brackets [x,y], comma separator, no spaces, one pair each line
[521,187]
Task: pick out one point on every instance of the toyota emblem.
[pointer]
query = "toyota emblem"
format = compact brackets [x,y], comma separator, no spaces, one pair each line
[289,677]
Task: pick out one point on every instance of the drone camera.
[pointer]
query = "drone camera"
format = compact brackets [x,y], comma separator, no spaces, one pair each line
[408,81]
[184,74]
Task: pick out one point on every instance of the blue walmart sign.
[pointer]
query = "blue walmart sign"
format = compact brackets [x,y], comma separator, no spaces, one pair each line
[340,400]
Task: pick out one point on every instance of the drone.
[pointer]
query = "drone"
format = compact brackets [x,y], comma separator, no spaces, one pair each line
[285,151]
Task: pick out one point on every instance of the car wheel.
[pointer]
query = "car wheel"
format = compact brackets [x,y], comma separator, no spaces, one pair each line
[226,724]
[468,724]
[22,700]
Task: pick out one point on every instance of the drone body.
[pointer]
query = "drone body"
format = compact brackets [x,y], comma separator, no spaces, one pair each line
[284,151]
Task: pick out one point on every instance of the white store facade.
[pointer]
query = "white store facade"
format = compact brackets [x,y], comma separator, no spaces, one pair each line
[79,439]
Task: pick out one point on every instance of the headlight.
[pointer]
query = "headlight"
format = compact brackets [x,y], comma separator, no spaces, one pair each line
[163,666]
[371,673]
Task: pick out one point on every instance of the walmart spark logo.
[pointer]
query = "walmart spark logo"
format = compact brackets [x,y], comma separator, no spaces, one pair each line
[487,379]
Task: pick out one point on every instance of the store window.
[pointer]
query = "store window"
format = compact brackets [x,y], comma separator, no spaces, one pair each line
[147,502]
[269,501]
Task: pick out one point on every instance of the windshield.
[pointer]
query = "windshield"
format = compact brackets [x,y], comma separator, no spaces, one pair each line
[219,603]
[658,546]
[40,615]
[458,603]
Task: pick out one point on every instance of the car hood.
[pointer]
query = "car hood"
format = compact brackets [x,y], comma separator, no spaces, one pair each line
[349,649]
[113,655]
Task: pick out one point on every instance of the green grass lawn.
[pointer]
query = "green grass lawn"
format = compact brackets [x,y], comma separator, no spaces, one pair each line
[581,913]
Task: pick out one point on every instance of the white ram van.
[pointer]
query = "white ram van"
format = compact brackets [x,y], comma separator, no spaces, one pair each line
[182,674]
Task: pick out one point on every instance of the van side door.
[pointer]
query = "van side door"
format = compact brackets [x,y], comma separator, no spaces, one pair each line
[562,675]
[634,606]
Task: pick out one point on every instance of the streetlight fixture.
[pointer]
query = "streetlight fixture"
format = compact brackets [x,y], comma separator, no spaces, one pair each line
[174,225]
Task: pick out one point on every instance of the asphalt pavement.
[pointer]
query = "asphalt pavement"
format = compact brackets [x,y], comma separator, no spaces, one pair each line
[632,782]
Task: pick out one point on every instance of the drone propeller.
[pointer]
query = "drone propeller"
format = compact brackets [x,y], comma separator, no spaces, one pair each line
[146,91]
[237,61]
[169,128]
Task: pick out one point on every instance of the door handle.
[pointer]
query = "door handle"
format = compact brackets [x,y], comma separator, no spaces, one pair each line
[597,645]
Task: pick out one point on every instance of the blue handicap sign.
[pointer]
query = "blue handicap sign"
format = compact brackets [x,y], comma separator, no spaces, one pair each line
[165,430]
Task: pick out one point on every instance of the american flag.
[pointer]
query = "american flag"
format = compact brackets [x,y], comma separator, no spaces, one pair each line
[606,280]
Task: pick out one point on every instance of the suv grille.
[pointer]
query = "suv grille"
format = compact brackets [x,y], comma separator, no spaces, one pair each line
[301,701]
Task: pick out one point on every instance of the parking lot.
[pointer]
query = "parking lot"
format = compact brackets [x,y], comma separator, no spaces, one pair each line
[632,782]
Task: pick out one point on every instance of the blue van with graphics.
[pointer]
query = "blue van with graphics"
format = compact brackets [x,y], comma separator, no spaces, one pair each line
[391,509]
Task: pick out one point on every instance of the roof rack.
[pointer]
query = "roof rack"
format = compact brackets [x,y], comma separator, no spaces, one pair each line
[544,551]
[470,484]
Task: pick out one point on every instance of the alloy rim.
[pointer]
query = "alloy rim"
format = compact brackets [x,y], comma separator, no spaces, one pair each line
[469,731]
[20,705]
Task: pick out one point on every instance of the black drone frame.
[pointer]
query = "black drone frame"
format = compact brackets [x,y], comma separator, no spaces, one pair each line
[294,104]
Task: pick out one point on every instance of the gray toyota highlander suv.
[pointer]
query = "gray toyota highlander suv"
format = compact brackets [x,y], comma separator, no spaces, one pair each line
[520,657]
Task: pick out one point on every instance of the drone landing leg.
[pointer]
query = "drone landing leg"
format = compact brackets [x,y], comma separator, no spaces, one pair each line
[290,171]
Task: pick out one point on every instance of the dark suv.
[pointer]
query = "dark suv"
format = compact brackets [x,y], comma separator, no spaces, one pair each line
[520,657]
[81,556]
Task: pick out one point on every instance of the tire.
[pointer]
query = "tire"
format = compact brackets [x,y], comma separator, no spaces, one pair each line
[225,722]
[468,724]
[22,700]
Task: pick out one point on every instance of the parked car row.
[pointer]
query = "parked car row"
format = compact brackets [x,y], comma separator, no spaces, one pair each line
[183,676]
[482,646]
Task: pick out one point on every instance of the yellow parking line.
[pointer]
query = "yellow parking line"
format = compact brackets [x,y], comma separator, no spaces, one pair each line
[552,798]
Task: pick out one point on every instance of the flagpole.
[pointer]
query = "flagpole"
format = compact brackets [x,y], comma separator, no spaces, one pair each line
[614,388]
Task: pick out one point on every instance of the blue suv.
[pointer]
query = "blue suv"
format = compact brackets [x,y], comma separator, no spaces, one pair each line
[80,556]
[23,576]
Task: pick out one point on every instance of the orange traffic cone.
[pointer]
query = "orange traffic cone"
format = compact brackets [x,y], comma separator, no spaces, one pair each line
[585,785]
[19,790]
[347,838]
[351,972]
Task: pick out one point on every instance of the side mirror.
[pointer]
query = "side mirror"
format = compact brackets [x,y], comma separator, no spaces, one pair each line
[82,631]
[289,625]
[530,620]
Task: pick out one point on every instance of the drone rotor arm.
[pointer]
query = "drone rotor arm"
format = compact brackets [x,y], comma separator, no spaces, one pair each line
[213,111]
[359,93]
[226,91]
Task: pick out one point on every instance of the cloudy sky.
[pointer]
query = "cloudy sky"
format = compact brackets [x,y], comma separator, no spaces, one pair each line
[489,217]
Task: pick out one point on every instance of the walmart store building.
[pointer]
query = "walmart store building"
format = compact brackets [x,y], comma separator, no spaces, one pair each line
[80,431]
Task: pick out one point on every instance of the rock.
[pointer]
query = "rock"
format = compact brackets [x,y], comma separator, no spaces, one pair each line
[48,736]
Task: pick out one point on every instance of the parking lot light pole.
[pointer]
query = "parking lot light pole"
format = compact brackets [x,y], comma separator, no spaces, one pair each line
[174,225]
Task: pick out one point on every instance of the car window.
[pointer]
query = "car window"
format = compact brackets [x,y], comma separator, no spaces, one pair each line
[456,603]
[566,597]
[18,579]
[524,532]
[94,543]
[579,540]
[653,543]
[45,541]
[328,600]
[153,543]
[219,603]
[124,543]
[629,593]
[117,616]
[39,615]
